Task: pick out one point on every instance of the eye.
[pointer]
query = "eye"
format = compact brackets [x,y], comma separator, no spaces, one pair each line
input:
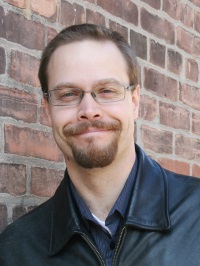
[107,90]
[67,94]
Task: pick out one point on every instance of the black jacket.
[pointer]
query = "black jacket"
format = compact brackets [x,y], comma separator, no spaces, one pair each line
[162,226]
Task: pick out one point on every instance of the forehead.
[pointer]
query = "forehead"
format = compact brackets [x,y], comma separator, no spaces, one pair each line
[87,59]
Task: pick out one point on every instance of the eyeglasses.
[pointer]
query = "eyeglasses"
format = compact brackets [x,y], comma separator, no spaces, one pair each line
[66,96]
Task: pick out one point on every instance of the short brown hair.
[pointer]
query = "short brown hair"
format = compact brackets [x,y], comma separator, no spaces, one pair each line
[93,32]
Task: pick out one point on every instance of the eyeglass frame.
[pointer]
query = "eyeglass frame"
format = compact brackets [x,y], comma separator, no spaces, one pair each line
[47,95]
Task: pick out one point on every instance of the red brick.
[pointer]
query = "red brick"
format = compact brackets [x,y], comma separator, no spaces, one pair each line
[190,96]
[157,54]
[188,42]
[46,8]
[24,104]
[3,217]
[51,33]
[40,177]
[17,3]
[174,61]
[187,16]
[148,108]
[71,14]
[95,17]
[12,179]
[185,40]
[139,44]
[179,11]
[20,30]
[153,3]
[119,28]
[2,61]
[187,148]
[157,140]
[174,116]
[126,9]
[196,170]
[196,123]
[156,25]
[192,70]
[197,21]
[175,166]
[160,84]
[24,68]
[30,142]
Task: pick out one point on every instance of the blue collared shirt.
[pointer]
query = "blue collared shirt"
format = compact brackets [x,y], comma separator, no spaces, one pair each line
[105,241]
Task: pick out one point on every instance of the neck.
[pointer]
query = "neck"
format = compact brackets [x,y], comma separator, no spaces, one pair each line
[100,187]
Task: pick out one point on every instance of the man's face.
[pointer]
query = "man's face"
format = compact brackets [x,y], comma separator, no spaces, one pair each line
[91,134]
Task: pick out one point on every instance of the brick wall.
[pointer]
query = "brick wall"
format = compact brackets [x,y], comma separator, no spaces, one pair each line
[166,37]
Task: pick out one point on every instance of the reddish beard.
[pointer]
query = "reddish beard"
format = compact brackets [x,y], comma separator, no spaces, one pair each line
[93,156]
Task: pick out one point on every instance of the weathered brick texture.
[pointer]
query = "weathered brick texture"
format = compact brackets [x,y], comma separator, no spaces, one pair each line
[24,104]
[30,142]
[159,27]
[17,3]
[12,30]
[26,74]
[41,177]
[160,141]
[174,62]
[187,148]
[165,35]
[160,84]
[157,53]
[44,8]
[192,70]
[190,96]
[13,179]
[173,116]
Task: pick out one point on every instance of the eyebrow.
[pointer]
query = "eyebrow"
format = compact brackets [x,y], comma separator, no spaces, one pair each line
[97,83]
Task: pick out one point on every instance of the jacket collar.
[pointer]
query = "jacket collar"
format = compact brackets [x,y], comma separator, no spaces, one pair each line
[148,208]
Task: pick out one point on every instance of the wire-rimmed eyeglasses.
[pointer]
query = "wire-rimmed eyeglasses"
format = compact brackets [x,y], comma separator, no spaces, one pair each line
[66,96]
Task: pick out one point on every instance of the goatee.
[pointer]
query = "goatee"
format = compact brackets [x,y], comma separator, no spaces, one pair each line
[94,156]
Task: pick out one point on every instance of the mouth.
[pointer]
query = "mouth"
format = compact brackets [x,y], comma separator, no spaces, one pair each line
[91,130]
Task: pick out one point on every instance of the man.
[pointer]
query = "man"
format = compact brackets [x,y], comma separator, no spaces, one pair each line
[115,206]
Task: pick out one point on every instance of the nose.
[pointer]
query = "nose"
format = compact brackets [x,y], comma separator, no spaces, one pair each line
[89,109]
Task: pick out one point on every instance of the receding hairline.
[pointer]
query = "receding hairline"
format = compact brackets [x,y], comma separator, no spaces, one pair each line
[90,40]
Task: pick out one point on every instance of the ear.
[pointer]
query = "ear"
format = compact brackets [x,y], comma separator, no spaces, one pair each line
[47,111]
[136,101]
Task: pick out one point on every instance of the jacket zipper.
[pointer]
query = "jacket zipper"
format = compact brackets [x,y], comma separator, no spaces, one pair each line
[87,239]
[118,244]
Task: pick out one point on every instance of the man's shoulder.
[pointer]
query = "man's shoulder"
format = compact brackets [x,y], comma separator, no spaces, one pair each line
[30,224]
[183,190]
[182,179]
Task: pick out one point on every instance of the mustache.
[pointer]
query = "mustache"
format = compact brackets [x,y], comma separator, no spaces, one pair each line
[71,130]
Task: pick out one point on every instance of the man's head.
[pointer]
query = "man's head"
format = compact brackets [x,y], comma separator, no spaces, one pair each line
[91,32]
[91,102]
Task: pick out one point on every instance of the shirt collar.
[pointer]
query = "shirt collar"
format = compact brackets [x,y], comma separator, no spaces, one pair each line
[121,203]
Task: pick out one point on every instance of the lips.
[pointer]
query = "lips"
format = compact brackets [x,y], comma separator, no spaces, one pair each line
[94,126]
